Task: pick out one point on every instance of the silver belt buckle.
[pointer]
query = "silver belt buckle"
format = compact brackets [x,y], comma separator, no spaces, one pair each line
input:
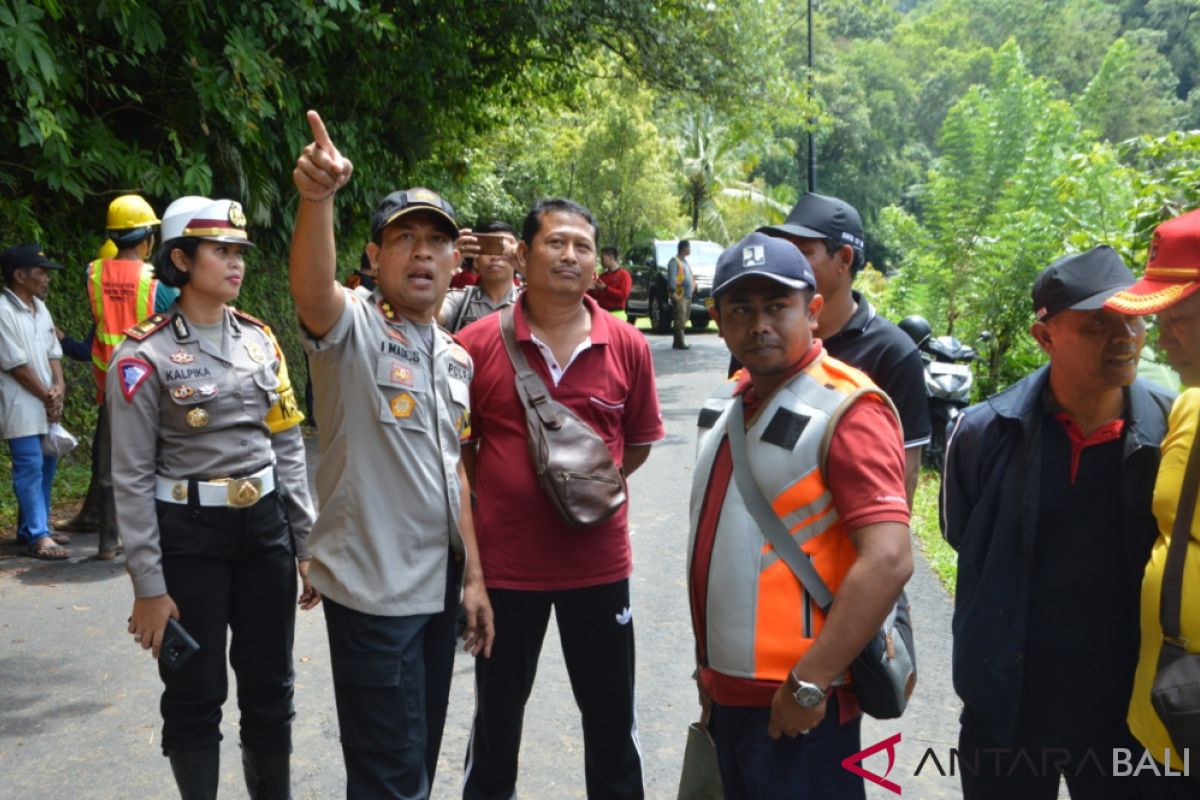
[243,492]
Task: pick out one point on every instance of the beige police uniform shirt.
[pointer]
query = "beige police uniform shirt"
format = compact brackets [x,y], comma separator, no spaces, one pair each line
[390,414]
[180,408]
[479,305]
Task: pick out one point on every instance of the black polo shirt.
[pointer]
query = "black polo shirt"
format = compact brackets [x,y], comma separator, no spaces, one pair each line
[877,347]
[1082,636]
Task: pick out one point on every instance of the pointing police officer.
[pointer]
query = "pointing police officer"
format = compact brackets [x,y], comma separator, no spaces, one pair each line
[212,501]
[392,403]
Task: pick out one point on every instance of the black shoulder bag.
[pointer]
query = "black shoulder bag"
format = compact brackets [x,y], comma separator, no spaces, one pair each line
[885,673]
[573,465]
[1176,690]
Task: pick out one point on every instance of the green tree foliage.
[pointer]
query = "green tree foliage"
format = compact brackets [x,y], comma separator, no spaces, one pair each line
[165,99]
[992,216]
[1133,91]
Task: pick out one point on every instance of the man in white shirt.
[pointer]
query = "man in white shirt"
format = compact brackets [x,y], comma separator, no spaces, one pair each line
[31,390]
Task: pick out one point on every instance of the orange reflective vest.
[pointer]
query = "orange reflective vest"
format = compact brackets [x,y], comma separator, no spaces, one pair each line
[759,619]
[122,295]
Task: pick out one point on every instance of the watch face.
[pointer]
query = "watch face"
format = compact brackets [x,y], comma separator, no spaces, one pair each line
[809,694]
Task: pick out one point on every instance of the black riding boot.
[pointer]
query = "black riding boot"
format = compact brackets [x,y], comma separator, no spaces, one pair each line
[268,775]
[197,773]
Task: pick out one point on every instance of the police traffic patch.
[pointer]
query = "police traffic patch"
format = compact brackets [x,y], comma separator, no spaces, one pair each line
[133,372]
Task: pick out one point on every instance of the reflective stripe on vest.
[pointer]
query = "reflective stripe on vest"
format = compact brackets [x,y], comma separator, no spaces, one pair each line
[115,315]
[759,619]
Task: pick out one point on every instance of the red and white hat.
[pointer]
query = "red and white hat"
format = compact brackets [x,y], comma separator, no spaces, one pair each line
[204,218]
[1172,270]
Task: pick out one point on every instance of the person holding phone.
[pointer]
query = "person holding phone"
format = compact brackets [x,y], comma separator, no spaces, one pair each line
[494,250]
[212,500]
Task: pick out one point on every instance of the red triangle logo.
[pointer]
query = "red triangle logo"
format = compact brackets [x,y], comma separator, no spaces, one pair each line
[854,763]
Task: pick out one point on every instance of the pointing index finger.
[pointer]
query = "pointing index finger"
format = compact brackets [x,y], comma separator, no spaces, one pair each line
[320,135]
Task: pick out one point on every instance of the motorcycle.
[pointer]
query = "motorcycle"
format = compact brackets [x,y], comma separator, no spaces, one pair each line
[948,382]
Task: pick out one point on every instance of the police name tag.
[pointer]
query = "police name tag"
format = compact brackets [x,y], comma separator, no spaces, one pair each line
[400,374]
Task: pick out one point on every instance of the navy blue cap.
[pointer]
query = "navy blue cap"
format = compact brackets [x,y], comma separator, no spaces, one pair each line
[409,201]
[24,256]
[769,257]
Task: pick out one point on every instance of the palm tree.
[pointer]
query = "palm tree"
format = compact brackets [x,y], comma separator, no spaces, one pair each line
[714,166]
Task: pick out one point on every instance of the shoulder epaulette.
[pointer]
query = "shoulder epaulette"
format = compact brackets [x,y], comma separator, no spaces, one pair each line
[248,318]
[147,326]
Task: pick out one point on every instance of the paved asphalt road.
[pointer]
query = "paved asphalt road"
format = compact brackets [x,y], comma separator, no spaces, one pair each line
[79,702]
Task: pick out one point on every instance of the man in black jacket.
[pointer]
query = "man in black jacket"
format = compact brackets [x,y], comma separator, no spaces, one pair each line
[1046,497]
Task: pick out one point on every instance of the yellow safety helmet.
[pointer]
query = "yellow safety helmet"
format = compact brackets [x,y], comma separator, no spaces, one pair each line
[130,211]
[108,250]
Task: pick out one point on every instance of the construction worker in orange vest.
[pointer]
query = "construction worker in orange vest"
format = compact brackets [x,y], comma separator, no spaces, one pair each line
[122,291]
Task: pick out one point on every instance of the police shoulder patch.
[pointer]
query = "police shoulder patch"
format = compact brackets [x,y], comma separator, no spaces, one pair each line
[133,372]
[147,326]
[248,318]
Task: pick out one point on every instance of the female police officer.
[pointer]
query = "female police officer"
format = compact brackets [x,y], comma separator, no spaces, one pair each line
[212,500]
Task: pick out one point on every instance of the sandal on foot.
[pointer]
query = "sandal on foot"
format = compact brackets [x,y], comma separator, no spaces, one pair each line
[47,549]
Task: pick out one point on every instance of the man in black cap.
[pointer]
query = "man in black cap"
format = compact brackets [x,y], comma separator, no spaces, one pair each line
[829,232]
[1047,499]
[394,536]
[31,390]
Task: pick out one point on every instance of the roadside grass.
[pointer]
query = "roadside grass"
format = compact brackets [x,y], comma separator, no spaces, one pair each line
[941,557]
[70,486]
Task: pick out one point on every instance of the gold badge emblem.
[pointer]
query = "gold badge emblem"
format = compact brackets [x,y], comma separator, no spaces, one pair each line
[179,491]
[197,418]
[236,216]
[403,405]
[424,196]
[256,353]
[182,357]
[243,492]
[182,392]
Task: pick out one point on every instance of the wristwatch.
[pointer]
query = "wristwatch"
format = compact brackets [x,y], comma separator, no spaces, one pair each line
[804,693]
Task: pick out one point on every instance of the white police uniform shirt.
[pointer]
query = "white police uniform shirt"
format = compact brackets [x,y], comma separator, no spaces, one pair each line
[181,407]
[390,414]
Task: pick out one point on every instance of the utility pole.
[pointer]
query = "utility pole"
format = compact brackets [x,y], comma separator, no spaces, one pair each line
[812,151]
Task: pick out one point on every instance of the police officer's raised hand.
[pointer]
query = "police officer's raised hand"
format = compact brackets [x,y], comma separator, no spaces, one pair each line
[149,620]
[309,597]
[321,170]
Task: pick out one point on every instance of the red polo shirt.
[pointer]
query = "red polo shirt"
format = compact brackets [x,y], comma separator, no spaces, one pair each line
[523,543]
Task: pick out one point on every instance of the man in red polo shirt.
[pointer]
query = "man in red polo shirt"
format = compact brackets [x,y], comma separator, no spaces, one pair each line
[602,370]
